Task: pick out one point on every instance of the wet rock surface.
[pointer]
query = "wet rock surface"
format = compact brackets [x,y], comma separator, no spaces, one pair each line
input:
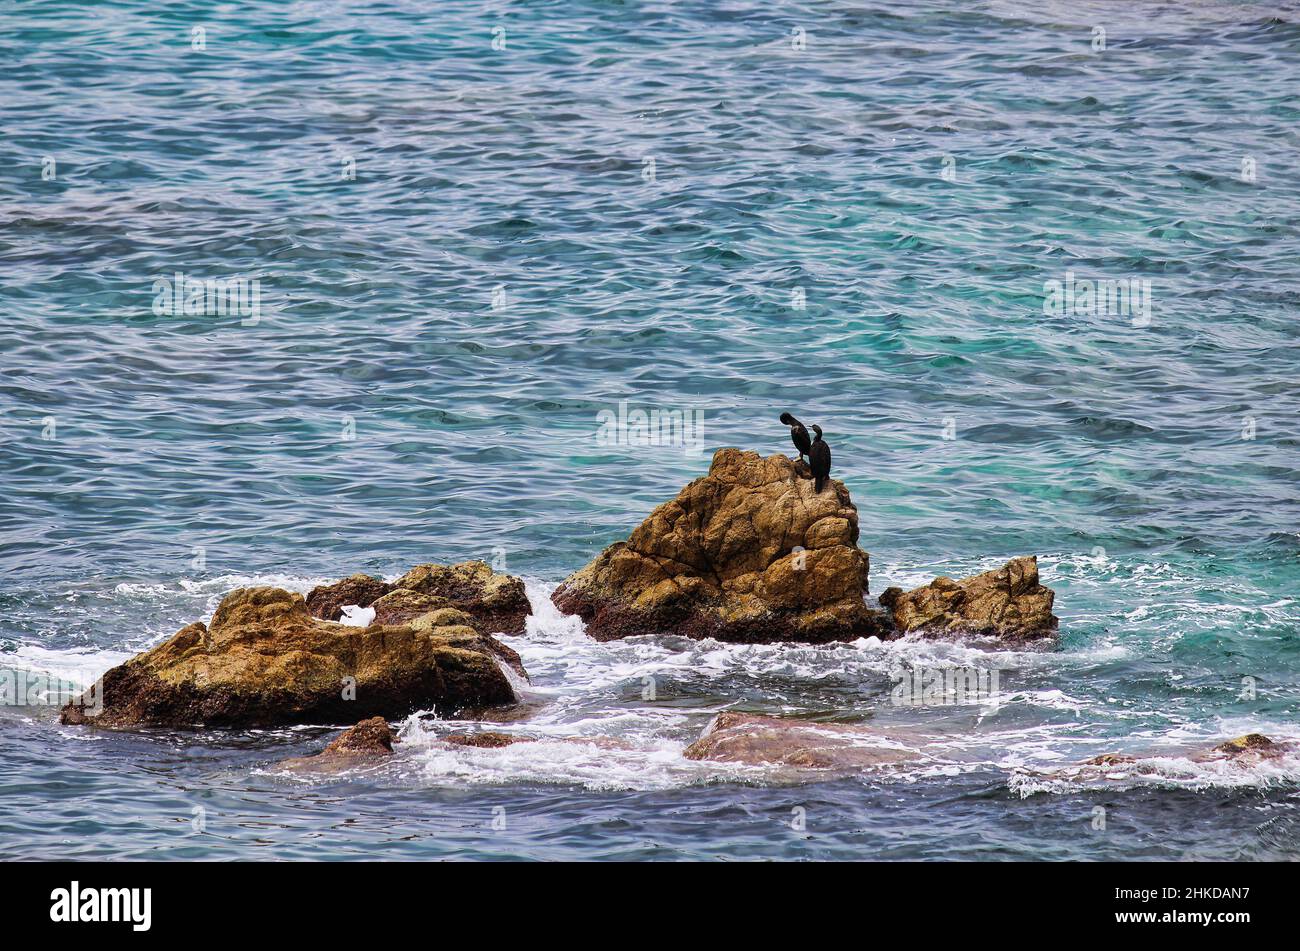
[485,739]
[1007,602]
[756,740]
[748,553]
[264,661]
[496,603]
[369,742]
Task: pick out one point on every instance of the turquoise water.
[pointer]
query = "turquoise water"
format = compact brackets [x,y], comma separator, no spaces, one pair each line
[861,231]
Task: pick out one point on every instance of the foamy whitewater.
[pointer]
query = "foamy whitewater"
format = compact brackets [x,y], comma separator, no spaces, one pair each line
[615,717]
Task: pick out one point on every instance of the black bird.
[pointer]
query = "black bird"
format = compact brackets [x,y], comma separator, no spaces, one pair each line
[798,435]
[819,460]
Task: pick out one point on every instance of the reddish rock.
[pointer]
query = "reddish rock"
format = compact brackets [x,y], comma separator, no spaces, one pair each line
[327,601]
[755,740]
[368,742]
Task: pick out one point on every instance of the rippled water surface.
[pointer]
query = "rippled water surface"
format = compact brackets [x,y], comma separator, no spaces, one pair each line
[467,253]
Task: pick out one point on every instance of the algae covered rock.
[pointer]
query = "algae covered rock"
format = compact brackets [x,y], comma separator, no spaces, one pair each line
[1007,602]
[264,660]
[497,603]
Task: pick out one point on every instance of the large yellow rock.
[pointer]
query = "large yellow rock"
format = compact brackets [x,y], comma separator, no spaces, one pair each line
[747,553]
[264,660]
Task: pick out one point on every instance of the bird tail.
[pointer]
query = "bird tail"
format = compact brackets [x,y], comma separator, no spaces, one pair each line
[790,420]
[819,484]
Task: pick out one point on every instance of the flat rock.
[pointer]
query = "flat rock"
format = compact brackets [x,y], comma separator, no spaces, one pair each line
[1249,750]
[754,740]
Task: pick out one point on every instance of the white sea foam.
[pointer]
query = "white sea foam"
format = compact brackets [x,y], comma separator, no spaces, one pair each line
[79,666]
[356,616]
[1176,758]
[619,743]
[593,724]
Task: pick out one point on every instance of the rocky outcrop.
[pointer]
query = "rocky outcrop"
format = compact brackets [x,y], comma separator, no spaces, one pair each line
[747,553]
[327,601]
[496,603]
[264,661]
[1007,602]
[370,741]
[754,740]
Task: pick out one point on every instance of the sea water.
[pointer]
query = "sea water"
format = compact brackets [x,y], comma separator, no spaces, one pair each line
[1032,267]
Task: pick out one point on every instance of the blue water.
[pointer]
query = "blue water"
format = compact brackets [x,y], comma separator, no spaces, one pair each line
[666,204]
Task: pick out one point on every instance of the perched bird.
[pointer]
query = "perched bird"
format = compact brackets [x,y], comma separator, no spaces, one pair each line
[819,460]
[798,435]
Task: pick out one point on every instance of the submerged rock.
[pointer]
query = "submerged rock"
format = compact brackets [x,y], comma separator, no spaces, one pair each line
[496,603]
[368,742]
[1248,750]
[485,739]
[748,553]
[1252,743]
[755,740]
[264,661]
[1006,602]
[1110,759]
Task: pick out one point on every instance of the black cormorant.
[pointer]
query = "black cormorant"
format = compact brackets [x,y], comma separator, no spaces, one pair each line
[819,460]
[798,435]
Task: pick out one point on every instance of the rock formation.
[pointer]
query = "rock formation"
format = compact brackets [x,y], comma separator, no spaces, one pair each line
[264,660]
[747,553]
[496,603]
[327,601]
[469,593]
[1253,744]
[1007,602]
[1249,750]
[368,742]
[755,740]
